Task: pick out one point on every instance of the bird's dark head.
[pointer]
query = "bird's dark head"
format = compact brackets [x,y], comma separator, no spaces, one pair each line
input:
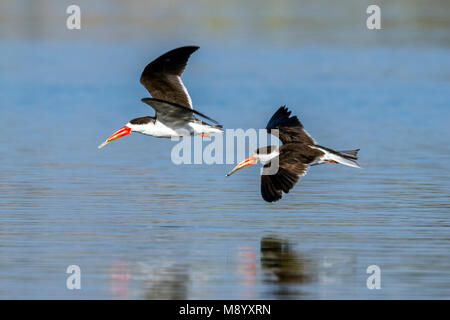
[142,120]
[266,150]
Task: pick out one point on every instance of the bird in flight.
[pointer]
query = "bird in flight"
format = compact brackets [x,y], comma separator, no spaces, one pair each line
[174,114]
[284,164]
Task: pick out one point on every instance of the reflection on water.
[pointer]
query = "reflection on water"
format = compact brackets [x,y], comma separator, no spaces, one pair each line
[274,270]
[155,280]
[275,266]
[167,283]
[280,262]
[282,266]
[141,227]
[119,280]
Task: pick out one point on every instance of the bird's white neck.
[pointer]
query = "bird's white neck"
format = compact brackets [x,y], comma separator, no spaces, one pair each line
[266,158]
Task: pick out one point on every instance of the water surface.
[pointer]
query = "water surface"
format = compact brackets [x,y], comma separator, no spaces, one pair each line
[141,227]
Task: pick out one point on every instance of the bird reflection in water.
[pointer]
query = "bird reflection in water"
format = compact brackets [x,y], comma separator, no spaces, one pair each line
[168,283]
[246,268]
[119,279]
[161,280]
[283,267]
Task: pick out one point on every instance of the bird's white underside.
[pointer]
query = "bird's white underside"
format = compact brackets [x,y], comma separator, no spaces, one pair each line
[161,130]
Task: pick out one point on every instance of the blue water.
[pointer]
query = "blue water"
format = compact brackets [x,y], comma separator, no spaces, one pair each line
[141,227]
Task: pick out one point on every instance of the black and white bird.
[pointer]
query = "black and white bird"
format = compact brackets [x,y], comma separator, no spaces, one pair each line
[283,165]
[174,114]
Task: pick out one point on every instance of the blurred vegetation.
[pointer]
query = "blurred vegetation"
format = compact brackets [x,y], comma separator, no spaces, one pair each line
[288,22]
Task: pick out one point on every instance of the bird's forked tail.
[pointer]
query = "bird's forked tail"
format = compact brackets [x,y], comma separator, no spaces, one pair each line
[345,157]
[348,157]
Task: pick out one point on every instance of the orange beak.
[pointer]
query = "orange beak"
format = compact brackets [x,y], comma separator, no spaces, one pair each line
[245,163]
[116,135]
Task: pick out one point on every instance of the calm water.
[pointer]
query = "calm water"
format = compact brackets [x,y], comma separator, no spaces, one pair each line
[141,227]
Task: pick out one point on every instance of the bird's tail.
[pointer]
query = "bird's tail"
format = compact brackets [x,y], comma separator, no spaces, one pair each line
[346,157]
[210,128]
[350,154]
[217,128]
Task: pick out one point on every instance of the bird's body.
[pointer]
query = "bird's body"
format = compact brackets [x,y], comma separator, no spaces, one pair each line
[158,129]
[151,126]
[283,165]
[171,101]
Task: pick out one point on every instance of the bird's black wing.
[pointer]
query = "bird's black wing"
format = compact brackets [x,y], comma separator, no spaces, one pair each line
[273,186]
[162,76]
[290,129]
[173,114]
[293,162]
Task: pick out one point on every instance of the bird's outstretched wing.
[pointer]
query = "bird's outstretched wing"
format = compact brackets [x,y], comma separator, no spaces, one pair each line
[273,186]
[173,114]
[292,163]
[290,129]
[162,76]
